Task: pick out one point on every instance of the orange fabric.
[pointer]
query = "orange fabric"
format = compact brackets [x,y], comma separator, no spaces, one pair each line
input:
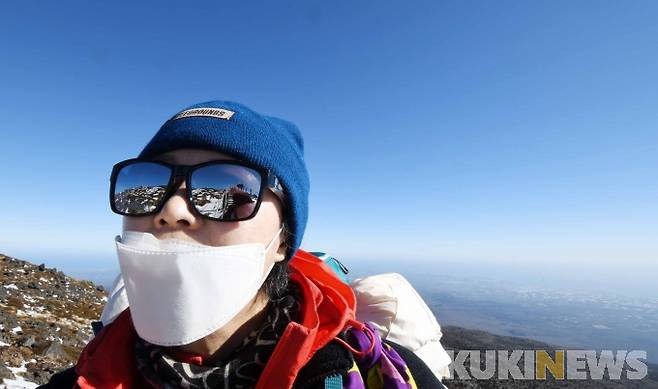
[328,306]
[108,361]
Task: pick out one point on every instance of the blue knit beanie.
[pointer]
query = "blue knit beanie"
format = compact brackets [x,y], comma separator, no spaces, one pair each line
[265,141]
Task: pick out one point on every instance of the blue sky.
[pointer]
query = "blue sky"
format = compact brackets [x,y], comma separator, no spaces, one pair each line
[496,131]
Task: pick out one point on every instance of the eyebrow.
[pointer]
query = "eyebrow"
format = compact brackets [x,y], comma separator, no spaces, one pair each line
[168,159]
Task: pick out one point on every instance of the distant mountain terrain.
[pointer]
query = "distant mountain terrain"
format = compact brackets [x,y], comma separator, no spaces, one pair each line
[561,306]
[45,319]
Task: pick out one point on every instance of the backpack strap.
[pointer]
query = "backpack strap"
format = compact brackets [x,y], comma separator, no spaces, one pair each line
[378,362]
[335,265]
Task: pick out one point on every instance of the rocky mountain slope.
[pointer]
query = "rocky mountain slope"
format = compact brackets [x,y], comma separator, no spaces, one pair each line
[45,319]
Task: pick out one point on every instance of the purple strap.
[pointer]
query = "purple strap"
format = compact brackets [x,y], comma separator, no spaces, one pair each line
[382,357]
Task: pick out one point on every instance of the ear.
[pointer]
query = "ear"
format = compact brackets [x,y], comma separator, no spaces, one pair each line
[282,249]
[280,254]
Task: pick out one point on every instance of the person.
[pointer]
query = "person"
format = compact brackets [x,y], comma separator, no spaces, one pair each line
[214,291]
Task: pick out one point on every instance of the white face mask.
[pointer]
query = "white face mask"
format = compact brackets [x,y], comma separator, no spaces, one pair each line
[180,291]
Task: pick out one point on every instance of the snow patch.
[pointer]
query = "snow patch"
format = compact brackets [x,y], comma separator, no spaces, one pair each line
[18,382]
[18,370]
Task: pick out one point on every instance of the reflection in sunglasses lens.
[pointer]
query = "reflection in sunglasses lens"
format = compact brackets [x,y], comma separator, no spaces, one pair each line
[140,187]
[225,192]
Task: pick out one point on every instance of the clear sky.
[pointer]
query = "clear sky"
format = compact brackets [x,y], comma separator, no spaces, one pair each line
[492,130]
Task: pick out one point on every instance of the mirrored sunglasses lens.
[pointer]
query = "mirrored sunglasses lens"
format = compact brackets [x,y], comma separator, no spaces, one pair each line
[225,192]
[140,187]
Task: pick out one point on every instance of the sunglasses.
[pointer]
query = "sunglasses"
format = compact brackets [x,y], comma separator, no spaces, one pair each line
[222,190]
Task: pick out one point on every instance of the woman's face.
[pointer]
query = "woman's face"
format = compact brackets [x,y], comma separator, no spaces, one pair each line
[176,218]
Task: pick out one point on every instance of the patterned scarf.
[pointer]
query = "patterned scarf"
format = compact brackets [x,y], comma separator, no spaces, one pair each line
[240,370]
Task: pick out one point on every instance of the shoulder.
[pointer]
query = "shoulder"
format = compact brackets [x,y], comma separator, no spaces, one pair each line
[423,376]
[331,360]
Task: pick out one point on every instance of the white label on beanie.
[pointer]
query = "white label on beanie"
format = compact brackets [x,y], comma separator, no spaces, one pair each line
[218,113]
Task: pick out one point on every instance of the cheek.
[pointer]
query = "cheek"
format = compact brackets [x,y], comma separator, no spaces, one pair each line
[270,224]
[142,223]
[216,233]
[268,220]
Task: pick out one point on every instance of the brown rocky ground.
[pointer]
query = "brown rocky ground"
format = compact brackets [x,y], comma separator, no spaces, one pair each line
[45,318]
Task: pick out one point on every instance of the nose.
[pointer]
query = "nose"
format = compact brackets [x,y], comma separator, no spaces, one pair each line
[177,212]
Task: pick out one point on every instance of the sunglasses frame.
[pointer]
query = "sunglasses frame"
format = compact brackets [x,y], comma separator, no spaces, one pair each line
[183,173]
